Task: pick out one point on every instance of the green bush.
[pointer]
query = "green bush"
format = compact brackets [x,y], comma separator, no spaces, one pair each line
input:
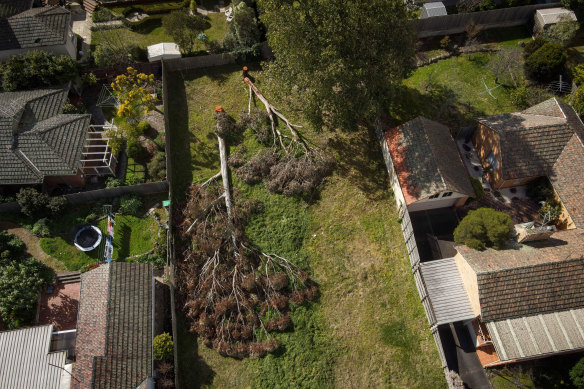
[102,15]
[113,182]
[56,205]
[157,167]
[446,43]
[483,228]
[136,150]
[36,69]
[533,45]
[41,229]
[163,347]
[31,201]
[11,247]
[130,204]
[546,63]
[478,188]
[143,127]
[577,374]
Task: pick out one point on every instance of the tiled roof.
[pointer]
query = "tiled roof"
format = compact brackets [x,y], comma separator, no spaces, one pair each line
[542,276]
[12,7]
[36,140]
[567,178]
[531,141]
[426,160]
[37,27]
[122,356]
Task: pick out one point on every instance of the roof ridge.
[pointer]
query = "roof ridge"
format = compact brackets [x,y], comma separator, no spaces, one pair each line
[568,260]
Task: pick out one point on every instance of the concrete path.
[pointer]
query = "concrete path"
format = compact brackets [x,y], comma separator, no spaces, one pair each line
[82,26]
[33,246]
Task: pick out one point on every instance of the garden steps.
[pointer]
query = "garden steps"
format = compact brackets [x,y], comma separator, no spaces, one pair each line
[69,277]
[90,5]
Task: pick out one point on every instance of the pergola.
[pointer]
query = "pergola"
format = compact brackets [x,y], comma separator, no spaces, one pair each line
[98,158]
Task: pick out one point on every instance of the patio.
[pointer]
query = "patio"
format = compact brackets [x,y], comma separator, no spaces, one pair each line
[60,307]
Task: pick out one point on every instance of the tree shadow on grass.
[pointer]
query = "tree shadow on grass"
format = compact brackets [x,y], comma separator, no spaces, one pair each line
[194,372]
[124,234]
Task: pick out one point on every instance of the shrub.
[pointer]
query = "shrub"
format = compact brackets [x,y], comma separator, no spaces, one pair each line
[163,347]
[36,69]
[482,228]
[41,229]
[102,15]
[130,204]
[546,63]
[478,188]
[113,182]
[563,32]
[133,180]
[89,79]
[533,45]
[136,150]
[551,210]
[31,201]
[446,43]
[157,167]
[143,127]
[56,205]
[520,96]
[11,247]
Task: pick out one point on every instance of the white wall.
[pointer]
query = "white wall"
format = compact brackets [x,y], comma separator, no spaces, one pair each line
[439,202]
[398,194]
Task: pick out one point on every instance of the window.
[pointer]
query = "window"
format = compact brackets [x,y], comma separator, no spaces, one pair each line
[434,196]
[447,194]
[492,161]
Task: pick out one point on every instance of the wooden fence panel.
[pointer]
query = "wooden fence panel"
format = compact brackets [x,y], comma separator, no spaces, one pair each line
[496,18]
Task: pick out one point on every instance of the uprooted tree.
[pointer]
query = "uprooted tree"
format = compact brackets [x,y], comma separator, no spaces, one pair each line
[234,294]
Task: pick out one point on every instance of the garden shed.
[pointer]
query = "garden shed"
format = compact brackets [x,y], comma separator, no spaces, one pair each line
[433,9]
[165,50]
[546,17]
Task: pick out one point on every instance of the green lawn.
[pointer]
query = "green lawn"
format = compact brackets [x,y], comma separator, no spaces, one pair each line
[151,32]
[368,329]
[132,236]
[452,91]
[135,169]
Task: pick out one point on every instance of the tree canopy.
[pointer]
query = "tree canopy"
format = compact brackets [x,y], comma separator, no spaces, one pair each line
[36,69]
[338,60]
[482,228]
[184,28]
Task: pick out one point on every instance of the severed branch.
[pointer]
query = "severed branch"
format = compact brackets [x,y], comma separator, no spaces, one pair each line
[271,110]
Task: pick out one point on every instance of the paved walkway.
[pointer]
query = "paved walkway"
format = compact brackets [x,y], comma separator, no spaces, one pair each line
[60,307]
[82,26]
[33,246]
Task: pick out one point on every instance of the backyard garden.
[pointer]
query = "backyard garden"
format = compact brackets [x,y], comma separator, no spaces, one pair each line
[368,327]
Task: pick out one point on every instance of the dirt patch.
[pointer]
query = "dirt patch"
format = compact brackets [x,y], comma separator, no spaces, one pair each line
[33,246]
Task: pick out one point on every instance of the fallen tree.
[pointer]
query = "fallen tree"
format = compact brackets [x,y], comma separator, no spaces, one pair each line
[234,294]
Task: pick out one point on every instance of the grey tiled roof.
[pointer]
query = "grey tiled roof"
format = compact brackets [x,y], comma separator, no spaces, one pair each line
[37,27]
[532,140]
[128,357]
[542,276]
[36,140]
[426,160]
[12,7]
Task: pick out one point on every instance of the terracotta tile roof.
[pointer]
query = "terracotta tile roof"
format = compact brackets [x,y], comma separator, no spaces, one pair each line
[567,178]
[426,160]
[538,277]
[36,27]
[531,141]
[120,340]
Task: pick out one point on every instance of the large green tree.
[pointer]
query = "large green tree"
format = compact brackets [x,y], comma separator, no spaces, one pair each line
[338,60]
[36,69]
[184,28]
[482,228]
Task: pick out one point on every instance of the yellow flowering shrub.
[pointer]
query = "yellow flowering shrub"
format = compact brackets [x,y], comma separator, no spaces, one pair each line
[132,89]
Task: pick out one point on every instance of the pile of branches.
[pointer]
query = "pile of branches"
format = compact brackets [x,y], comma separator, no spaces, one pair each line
[234,295]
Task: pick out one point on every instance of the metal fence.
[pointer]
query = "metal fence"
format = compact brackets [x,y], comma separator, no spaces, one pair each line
[496,18]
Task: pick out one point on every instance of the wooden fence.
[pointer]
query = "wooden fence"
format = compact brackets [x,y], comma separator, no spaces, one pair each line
[100,194]
[496,18]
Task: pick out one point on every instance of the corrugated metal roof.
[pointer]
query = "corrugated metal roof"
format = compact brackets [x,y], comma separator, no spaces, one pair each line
[446,291]
[433,9]
[554,15]
[537,335]
[25,360]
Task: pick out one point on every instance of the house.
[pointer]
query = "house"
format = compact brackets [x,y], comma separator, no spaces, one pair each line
[115,328]
[27,360]
[542,141]
[44,28]
[547,17]
[12,7]
[425,168]
[41,145]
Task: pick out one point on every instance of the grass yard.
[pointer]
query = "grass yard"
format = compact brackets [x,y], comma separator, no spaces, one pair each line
[135,170]
[368,329]
[133,236]
[452,91]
